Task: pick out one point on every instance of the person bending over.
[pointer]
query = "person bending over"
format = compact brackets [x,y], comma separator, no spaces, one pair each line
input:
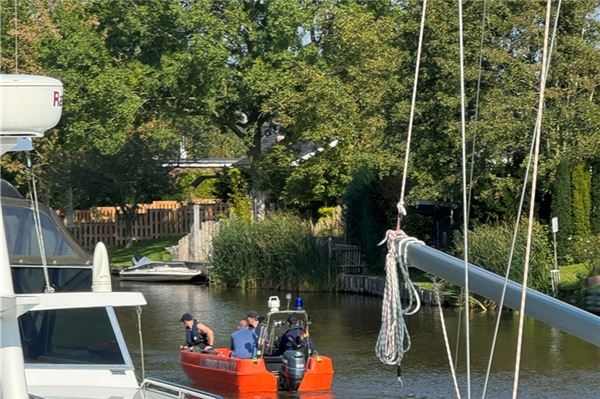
[292,339]
[198,336]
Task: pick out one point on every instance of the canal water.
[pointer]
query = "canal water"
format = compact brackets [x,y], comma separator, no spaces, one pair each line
[345,327]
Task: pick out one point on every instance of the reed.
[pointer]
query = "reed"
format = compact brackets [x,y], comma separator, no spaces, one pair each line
[489,247]
[278,252]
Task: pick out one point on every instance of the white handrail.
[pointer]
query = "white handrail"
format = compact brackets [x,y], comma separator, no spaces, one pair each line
[175,390]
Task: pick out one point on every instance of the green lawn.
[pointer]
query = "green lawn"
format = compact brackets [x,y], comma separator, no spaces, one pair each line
[153,249]
[572,275]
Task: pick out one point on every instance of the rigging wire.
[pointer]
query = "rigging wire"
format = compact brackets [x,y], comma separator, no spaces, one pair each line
[139,322]
[35,209]
[519,212]
[465,213]
[476,114]
[436,291]
[538,125]
[400,205]
[16,38]
[475,126]
[391,344]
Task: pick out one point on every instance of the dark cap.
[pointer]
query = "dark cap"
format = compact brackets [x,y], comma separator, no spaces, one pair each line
[186,317]
[292,319]
[252,314]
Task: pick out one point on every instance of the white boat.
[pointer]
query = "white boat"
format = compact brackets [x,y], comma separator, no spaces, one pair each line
[59,335]
[144,269]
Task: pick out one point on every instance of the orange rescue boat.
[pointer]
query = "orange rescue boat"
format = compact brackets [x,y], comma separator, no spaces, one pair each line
[301,369]
[223,373]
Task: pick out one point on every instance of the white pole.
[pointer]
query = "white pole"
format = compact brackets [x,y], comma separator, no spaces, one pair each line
[555,274]
[12,372]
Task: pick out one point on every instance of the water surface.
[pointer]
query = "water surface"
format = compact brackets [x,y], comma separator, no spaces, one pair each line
[345,327]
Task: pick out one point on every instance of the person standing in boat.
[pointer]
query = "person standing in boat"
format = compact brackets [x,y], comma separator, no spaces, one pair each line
[243,342]
[255,325]
[198,336]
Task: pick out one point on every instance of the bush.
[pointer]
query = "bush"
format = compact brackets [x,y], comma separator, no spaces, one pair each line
[587,250]
[278,252]
[489,247]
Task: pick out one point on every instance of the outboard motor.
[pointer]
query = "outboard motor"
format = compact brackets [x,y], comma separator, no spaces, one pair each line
[292,371]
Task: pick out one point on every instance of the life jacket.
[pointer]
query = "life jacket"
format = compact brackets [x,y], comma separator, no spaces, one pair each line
[199,337]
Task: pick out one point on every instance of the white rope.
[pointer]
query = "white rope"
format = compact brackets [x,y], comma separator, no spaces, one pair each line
[394,339]
[475,127]
[538,125]
[436,291]
[400,205]
[16,38]
[476,115]
[517,222]
[139,320]
[37,222]
[465,211]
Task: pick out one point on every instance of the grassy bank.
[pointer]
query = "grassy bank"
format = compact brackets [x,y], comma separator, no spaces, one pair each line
[154,249]
[572,276]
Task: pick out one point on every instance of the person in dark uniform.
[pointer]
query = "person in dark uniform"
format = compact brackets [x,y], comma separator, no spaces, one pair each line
[292,339]
[198,336]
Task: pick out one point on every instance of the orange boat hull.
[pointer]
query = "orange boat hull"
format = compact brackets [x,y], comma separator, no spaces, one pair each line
[246,376]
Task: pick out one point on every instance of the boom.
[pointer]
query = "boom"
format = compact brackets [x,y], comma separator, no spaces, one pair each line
[544,308]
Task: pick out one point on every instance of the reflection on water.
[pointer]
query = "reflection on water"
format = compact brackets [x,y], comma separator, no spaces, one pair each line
[345,327]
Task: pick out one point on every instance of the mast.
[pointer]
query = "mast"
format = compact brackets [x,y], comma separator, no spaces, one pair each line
[549,310]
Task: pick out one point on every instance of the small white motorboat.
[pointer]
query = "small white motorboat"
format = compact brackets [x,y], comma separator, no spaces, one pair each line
[144,269]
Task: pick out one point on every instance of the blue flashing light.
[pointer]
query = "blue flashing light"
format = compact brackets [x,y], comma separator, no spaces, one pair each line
[298,303]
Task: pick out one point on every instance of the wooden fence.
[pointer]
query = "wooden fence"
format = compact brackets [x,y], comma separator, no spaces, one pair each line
[348,257]
[152,221]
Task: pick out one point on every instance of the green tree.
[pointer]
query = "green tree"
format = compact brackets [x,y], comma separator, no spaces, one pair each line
[581,200]
[562,208]
[495,257]
[595,222]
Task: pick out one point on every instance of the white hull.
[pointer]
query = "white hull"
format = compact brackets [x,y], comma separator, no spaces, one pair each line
[159,276]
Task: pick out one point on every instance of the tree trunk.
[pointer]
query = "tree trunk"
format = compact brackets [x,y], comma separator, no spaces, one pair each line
[129,213]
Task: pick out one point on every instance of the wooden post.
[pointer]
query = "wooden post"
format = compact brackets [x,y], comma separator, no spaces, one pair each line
[195,236]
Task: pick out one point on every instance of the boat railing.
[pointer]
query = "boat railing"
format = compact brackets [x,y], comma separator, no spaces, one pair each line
[175,391]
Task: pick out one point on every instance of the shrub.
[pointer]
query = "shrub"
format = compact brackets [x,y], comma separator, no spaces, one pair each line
[489,247]
[278,252]
[587,250]
[582,204]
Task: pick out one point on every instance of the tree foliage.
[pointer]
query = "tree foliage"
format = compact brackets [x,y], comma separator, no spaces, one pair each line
[221,77]
[581,201]
[562,208]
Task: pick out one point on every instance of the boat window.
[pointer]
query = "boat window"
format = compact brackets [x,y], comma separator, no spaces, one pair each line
[31,279]
[21,236]
[69,336]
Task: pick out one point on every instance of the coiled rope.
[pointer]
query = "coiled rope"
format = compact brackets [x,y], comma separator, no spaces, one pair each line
[394,340]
